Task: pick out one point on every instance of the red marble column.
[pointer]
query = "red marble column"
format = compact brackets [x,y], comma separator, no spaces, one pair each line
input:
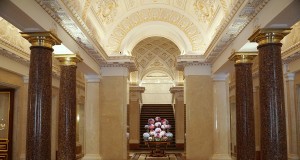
[245,134]
[67,107]
[272,109]
[38,139]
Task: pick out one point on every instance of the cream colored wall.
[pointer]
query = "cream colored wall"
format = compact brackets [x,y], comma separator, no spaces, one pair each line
[297,99]
[199,117]
[113,118]
[157,93]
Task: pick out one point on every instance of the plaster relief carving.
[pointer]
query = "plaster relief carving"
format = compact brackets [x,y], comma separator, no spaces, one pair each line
[155,14]
[179,3]
[156,53]
[11,36]
[106,10]
[131,4]
[156,64]
[205,10]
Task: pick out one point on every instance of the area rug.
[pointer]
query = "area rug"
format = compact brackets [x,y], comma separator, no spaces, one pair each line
[169,156]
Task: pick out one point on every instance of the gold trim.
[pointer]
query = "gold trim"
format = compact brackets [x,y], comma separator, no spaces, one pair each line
[68,59]
[243,57]
[269,35]
[43,39]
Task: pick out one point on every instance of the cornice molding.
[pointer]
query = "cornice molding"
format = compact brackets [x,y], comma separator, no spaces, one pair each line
[79,35]
[291,58]
[176,89]
[219,42]
[182,64]
[92,78]
[196,68]
[289,76]
[15,56]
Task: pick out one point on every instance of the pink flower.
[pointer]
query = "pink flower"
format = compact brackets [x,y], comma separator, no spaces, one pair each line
[151,126]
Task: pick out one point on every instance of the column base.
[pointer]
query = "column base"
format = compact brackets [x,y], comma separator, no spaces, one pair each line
[91,157]
[221,157]
[293,157]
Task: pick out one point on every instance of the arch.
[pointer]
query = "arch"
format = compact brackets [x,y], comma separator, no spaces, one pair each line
[161,29]
[184,24]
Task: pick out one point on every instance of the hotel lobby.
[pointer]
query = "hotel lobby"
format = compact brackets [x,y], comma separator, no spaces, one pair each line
[87,79]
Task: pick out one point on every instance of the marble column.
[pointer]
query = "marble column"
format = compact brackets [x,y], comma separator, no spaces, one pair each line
[198,95]
[244,105]
[179,115]
[256,120]
[92,118]
[67,106]
[38,140]
[221,118]
[114,91]
[272,109]
[135,100]
[291,117]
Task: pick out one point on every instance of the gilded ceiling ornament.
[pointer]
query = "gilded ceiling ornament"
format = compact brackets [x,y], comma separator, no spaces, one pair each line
[106,10]
[205,10]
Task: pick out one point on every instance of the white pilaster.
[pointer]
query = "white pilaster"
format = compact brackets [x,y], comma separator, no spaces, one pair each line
[291,117]
[92,120]
[221,118]
[23,119]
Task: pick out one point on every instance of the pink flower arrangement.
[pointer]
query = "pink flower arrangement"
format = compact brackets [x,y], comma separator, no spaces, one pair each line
[157,130]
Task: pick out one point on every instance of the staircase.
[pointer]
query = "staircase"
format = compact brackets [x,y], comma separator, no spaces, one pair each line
[165,111]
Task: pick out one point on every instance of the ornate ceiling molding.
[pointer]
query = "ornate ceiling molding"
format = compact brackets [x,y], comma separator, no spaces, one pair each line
[206,10]
[155,53]
[291,58]
[78,33]
[220,42]
[11,38]
[182,64]
[155,14]
[106,10]
[15,56]
[15,47]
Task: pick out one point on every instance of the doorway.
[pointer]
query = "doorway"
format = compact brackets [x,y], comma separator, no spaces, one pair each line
[6,123]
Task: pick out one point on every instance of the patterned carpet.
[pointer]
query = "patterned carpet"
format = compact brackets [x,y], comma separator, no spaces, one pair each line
[169,156]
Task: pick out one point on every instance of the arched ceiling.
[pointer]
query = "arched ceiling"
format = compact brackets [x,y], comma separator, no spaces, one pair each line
[110,21]
[156,54]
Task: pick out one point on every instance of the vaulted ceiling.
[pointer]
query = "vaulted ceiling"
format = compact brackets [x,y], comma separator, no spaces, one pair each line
[118,31]
[156,54]
[116,21]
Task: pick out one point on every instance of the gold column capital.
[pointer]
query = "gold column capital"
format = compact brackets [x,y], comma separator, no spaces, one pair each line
[68,59]
[42,39]
[269,35]
[243,57]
